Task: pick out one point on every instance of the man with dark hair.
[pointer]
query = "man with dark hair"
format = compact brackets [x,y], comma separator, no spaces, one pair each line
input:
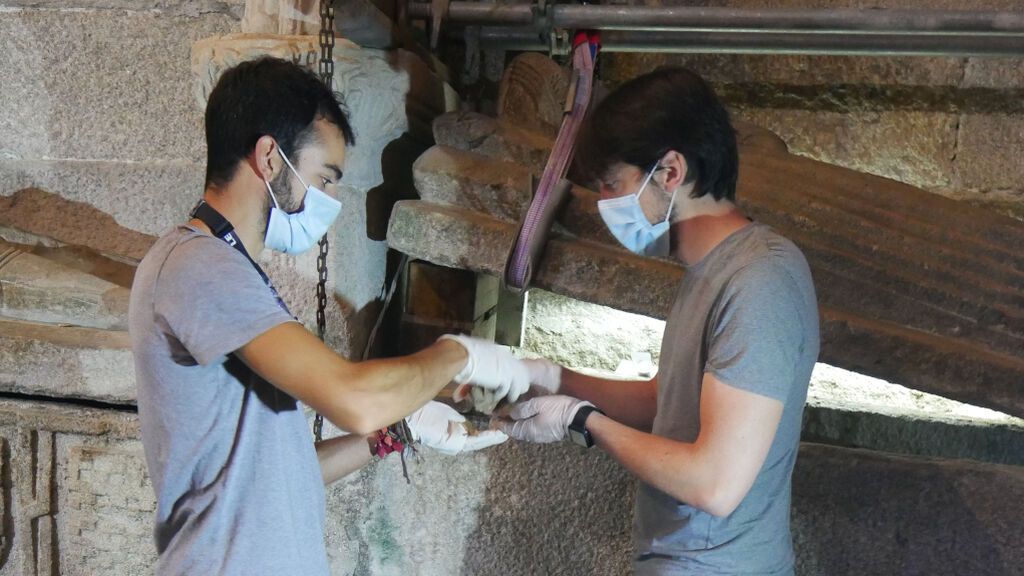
[221,365]
[714,436]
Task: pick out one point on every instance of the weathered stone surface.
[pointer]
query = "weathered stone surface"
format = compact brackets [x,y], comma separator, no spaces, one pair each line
[500,189]
[916,148]
[78,485]
[984,141]
[66,362]
[76,499]
[1000,73]
[116,208]
[36,289]
[918,434]
[503,140]
[191,8]
[281,17]
[882,265]
[949,365]
[842,408]
[475,132]
[858,512]
[532,93]
[114,88]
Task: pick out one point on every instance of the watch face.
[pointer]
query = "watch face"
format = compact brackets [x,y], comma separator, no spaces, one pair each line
[578,437]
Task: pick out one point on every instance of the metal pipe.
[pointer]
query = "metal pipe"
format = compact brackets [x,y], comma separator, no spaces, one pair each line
[773,43]
[668,18]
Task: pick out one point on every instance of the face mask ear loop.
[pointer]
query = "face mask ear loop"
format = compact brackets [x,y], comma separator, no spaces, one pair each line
[271,192]
[294,171]
[646,181]
[671,204]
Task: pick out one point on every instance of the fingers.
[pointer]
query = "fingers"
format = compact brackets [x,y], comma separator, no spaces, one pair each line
[484,439]
[525,410]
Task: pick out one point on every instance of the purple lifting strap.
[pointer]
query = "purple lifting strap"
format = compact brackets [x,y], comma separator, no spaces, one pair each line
[551,189]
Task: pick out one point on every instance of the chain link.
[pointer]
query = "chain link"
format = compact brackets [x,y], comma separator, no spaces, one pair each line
[327,77]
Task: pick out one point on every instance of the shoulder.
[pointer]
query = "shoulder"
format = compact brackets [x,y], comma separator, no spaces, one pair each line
[184,258]
[772,262]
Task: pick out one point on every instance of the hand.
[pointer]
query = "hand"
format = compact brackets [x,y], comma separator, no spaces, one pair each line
[491,367]
[542,419]
[440,427]
[545,379]
[545,375]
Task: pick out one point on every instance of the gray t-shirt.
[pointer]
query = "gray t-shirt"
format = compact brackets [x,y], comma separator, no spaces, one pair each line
[748,315]
[238,485]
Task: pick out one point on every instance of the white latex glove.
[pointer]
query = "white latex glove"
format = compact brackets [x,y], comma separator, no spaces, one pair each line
[492,367]
[439,426]
[545,378]
[545,375]
[542,419]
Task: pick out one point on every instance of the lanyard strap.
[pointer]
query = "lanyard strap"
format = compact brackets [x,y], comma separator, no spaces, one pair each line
[223,229]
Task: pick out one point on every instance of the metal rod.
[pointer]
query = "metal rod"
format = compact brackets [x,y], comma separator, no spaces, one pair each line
[773,43]
[610,17]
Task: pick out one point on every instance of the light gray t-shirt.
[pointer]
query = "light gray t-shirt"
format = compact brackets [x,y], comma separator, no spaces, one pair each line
[238,485]
[748,315]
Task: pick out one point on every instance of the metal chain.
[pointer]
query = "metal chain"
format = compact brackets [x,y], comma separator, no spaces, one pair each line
[327,77]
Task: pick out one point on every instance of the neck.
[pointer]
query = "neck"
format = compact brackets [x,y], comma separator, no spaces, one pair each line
[703,227]
[249,218]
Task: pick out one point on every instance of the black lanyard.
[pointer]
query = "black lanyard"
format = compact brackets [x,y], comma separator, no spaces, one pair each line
[223,229]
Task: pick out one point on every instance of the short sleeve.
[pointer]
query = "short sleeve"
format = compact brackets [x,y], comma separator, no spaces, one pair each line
[212,299]
[757,335]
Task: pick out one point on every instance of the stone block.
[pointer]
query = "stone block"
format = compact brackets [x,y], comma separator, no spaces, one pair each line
[915,148]
[794,69]
[106,89]
[134,202]
[990,152]
[997,73]
[66,362]
[859,512]
[191,8]
[950,365]
[475,132]
[36,289]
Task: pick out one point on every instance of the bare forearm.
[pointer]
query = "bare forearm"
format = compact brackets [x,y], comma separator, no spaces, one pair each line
[631,402]
[675,468]
[388,390]
[342,456]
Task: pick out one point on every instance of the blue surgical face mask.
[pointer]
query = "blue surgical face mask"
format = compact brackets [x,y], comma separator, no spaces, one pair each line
[295,233]
[626,221]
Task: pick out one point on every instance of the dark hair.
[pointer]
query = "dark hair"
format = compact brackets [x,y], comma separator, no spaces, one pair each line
[671,108]
[266,96]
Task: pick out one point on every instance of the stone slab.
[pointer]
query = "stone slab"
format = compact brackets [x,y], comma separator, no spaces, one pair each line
[34,288]
[114,88]
[66,362]
[598,273]
[868,246]
[916,148]
[858,512]
[192,8]
[113,207]
[495,512]
[985,142]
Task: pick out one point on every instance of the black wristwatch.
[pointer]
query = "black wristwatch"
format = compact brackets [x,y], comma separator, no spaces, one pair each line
[578,432]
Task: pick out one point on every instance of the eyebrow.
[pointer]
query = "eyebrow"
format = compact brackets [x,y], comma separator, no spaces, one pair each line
[337,171]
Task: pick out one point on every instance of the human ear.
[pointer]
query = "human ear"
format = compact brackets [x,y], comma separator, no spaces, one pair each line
[674,170]
[264,158]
